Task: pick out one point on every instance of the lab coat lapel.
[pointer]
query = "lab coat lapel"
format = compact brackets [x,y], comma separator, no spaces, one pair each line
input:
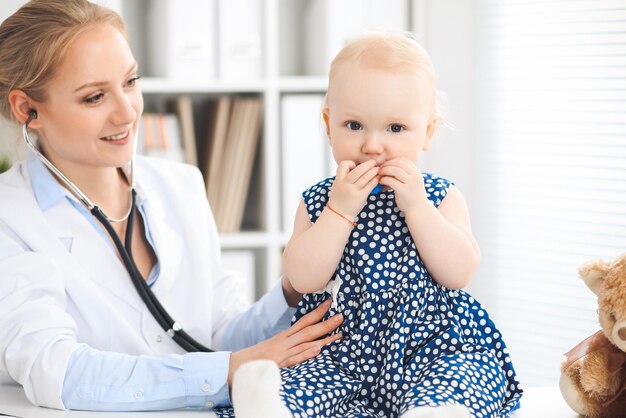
[65,235]
[91,253]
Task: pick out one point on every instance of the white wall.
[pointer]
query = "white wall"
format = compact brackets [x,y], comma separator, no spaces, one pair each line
[9,136]
[8,7]
[445,29]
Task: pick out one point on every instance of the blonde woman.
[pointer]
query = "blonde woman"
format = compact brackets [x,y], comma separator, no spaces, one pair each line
[74,331]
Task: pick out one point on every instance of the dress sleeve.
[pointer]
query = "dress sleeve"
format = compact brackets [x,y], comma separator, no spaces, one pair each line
[436,188]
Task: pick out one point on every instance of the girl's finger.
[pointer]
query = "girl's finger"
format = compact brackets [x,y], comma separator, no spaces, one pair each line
[390,182]
[359,170]
[363,181]
[396,172]
[344,167]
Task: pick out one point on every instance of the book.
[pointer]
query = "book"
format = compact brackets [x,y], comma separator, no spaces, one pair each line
[223,181]
[182,39]
[183,107]
[240,48]
[329,25]
[304,150]
[247,151]
[220,113]
[237,163]
[159,136]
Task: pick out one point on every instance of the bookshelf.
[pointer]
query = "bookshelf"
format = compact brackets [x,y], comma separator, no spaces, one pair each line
[286,28]
[283,72]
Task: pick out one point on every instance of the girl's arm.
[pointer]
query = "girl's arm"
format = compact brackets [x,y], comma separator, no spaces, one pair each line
[444,239]
[314,250]
[442,235]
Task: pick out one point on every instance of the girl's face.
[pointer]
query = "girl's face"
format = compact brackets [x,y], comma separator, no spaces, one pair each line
[91,114]
[378,114]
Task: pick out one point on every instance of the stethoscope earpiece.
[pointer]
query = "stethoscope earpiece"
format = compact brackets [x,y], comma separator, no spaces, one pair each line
[32,114]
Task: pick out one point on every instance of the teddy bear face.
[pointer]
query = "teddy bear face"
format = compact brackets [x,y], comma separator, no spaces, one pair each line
[610,287]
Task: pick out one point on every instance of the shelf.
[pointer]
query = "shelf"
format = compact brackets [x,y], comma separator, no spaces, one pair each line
[152,85]
[280,78]
[295,84]
[252,240]
[303,84]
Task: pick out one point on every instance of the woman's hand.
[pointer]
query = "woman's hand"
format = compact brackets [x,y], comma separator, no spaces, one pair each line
[294,345]
[353,184]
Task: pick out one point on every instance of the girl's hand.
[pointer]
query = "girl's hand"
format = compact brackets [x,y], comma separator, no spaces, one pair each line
[294,345]
[403,176]
[353,184]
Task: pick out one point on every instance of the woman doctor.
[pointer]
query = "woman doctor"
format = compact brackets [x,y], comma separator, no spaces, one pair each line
[74,331]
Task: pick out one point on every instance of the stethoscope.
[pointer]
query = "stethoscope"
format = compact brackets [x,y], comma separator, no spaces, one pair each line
[171,327]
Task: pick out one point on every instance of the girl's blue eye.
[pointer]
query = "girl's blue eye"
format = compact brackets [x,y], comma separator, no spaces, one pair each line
[396,128]
[354,126]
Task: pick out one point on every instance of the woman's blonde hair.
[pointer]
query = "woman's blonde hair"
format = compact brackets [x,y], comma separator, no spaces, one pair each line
[390,51]
[35,39]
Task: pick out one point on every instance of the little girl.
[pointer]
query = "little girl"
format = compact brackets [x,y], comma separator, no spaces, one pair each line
[392,247]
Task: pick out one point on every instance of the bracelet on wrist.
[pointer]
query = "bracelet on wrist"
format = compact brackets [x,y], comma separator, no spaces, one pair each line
[334,211]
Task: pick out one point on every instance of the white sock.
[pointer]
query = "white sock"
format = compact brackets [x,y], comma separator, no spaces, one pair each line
[444,411]
[255,391]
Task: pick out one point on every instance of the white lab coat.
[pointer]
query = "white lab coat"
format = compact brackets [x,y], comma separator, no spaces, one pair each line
[61,285]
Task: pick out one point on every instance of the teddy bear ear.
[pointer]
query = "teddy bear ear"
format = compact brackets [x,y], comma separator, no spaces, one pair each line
[593,273]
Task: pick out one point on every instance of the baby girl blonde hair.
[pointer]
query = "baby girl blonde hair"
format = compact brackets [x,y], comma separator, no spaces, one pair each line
[389,52]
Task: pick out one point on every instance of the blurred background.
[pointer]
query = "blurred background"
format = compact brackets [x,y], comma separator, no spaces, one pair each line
[535,92]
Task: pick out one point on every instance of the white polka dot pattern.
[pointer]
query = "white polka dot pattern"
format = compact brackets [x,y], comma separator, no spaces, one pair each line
[408,341]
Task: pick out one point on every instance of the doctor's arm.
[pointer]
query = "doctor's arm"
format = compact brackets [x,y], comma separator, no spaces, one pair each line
[263,332]
[36,336]
[39,350]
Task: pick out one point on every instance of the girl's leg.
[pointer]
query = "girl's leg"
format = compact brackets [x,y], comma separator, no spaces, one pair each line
[450,385]
[322,388]
[319,387]
[255,391]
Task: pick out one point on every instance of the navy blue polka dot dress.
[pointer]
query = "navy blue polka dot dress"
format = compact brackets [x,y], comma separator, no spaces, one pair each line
[408,341]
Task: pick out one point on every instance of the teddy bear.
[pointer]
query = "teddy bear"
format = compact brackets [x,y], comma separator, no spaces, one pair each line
[593,375]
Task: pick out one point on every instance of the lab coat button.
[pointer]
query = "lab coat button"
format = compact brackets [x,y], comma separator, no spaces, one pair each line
[209,404]
[158,338]
[138,394]
[206,387]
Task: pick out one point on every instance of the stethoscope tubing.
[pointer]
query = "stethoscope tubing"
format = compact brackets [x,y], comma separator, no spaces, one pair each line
[160,314]
[73,188]
[169,325]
